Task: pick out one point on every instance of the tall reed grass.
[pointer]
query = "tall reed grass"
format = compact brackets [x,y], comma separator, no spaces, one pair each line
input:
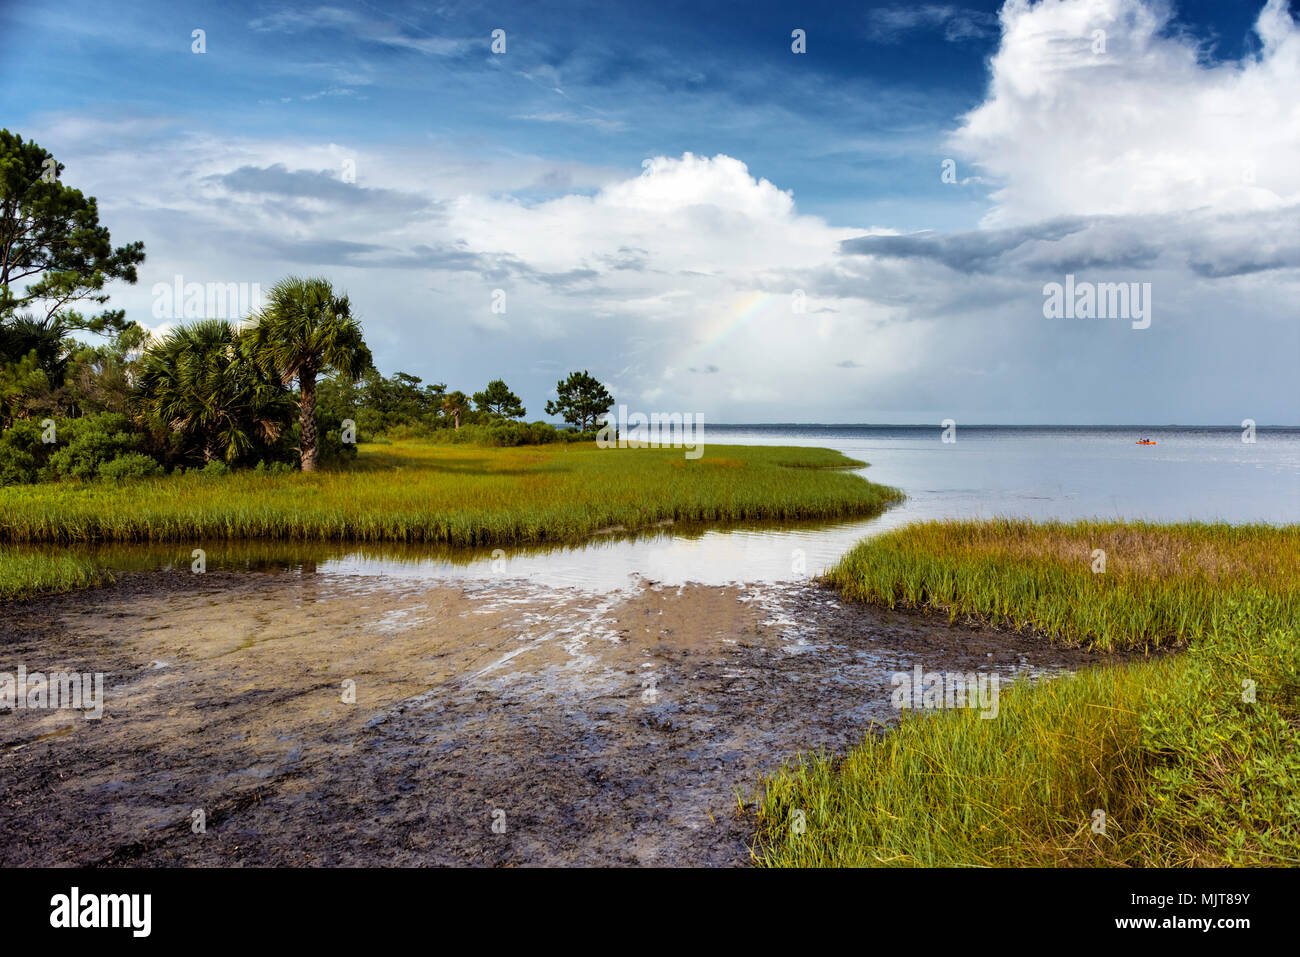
[26,575]
[457,496]
[1193,757]
[1161,584]
[413,492]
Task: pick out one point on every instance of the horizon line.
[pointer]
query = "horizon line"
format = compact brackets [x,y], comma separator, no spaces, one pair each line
[997,425]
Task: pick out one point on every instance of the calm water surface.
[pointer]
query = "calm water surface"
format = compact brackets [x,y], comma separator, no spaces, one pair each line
[1036,473]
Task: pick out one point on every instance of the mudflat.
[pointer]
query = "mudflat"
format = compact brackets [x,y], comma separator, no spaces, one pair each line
[354,720]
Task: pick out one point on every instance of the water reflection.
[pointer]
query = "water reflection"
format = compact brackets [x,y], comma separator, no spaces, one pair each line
[672,556]
[1037,473]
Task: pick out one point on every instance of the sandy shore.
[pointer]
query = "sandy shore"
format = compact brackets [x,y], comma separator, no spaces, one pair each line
[609,729]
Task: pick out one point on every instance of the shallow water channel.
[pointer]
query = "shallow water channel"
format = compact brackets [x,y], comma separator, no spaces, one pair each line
[609,703]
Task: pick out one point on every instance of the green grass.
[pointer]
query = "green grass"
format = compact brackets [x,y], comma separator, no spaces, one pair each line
[1162,584]
[414,492]
[1186,769]
[26,575]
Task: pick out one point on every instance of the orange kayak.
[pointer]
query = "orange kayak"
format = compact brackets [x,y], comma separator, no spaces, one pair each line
[1146,442]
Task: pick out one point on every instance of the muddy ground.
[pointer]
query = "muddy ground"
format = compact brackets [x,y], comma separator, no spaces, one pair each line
[611,729]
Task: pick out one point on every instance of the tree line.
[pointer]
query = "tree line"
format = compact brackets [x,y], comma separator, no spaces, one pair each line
[276,390]
[402,405]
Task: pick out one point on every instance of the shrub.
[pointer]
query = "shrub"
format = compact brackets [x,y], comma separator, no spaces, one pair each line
[22,453]
[501,433]
[274,468]
[86,444]
[403,431]
[17,467]
[132,465]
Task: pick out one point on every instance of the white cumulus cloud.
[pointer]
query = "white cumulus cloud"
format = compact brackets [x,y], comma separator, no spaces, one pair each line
[1098,107]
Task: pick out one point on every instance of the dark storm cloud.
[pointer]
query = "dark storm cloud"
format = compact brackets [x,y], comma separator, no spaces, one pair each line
[1212,246]
[278,180]
[1246,243]
[969,252]
[492,267]
[1245,265]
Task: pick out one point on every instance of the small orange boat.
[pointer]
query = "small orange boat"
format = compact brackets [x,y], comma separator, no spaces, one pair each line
[1146,441]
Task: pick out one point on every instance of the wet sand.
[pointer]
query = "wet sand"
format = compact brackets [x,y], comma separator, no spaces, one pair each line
[611,729]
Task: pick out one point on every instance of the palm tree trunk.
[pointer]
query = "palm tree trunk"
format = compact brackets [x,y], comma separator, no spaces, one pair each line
[307,419]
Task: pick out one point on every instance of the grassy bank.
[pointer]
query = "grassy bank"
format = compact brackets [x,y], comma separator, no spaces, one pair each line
[1162,584]
[447,495]
[1194,758]
[26,575]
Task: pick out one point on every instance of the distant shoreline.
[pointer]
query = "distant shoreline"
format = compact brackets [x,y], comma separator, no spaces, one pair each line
[933,425]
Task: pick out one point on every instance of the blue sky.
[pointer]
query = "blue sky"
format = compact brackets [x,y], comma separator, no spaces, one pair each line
[387,147]
[849,128]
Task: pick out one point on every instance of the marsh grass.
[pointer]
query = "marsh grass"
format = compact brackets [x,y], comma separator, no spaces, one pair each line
[27,575]
[413,492]
[1185,768]
[458,496]
[1162,585]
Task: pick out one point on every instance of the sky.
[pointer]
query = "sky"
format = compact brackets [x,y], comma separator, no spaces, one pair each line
[670,196]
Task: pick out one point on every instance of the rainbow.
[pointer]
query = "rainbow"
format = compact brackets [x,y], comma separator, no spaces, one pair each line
[717,331]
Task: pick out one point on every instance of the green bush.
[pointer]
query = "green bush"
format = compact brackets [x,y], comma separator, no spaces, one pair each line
[274,468]
[214,468]
[101,445]
[22,453]
[132,465]
[404,431]
[17,467]
[86,444]
[501,433]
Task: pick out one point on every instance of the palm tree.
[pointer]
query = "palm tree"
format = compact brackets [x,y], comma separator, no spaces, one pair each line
[33,363]
[202,382]
[23,335]
[304,331]
[454,405]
